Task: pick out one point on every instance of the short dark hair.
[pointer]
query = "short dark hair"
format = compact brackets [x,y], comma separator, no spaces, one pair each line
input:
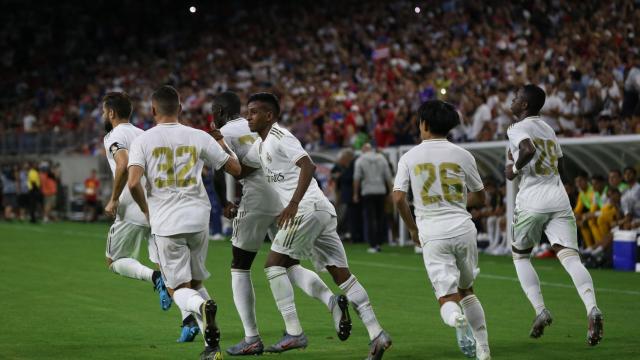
[167,100]
[229,101]
[617,171]
[535,98]
[439,116]
[269,99]
[119,102]
[630,168]
[598,177]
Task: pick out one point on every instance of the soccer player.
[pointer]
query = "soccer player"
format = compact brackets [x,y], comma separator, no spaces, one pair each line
[171,156]
[130,227]
[255,217]
[307,231]
[439,174]
[542,204]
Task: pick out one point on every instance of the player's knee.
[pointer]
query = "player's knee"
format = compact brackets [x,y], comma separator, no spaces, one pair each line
[196,284]
[465,292]
[339,275]
[564,253]
[451,297]
[242,262]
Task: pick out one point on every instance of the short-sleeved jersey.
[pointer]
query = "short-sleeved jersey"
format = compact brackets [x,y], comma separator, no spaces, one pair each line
[121,138]
[277,155]
[439,174]
[172,156]
[541,189]
[257,195]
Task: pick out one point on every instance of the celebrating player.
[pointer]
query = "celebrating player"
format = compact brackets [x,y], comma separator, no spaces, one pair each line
[542,204]
[130,227]
[171,156]
[439,174]
[307,231]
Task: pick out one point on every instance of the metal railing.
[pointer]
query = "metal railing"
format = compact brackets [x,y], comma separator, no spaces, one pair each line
[26,143]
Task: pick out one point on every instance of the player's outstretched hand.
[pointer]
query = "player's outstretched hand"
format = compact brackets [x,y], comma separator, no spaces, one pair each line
[287,215]
[230,210]
[111,208]
[215,132]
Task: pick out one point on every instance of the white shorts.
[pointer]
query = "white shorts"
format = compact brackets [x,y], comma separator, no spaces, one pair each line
[560,228]
[124,239]
[312,236]
[182,257]
[249,230]
[452,263]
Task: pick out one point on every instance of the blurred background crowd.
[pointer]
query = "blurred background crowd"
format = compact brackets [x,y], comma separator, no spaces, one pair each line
[345,74]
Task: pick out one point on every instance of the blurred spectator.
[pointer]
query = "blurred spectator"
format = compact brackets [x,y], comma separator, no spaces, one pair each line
[49,191]
[342,173]
[615,181]
[35,195]
[91,190]
[630,201]
[8,177]
[23,191]
[583,207]
[372,183]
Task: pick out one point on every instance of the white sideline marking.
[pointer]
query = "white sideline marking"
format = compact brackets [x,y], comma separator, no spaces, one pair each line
[495,277]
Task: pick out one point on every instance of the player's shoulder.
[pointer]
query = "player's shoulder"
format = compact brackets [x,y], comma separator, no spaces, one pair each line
[280,133]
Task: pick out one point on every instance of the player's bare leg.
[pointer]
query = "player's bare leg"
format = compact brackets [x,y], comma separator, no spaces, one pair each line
[570,260]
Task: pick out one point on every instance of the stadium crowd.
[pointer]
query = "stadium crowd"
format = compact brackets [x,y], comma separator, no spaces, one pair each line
[345,73]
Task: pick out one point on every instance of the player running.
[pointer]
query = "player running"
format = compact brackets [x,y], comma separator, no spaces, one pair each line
[307,231]
[171,156]
[542,204]
[255,217]
[439,174]
[130,227]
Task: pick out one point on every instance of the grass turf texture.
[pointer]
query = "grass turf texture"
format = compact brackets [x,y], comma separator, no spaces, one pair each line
[59,301]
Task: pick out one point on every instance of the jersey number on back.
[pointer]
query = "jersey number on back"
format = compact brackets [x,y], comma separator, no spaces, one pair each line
[452,187]
[182,179]
[546,149]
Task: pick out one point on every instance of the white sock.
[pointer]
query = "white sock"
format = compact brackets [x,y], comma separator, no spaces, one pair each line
[310,283]
[245,299]
[450,312]
[570,259]
[283,294]
[358,296]
[132,268]
[203,293]
[530,283]
[185,314]
[189,300]
[475,317]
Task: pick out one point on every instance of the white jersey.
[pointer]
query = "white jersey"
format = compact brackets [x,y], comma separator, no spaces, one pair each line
[172,156]
[277,156]
[439,174]
[541,189]
[121,138]
[257,195]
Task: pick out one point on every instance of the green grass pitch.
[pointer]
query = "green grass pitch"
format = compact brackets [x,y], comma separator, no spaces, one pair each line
[59,301]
